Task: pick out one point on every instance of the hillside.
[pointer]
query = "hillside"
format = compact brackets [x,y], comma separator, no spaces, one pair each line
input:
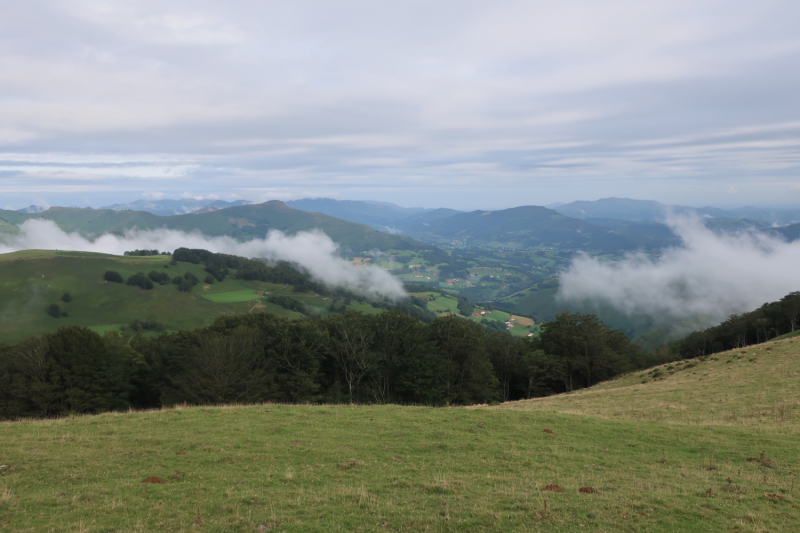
[34,279]
[241,222]
[757,386]
[526,227]
[707,447]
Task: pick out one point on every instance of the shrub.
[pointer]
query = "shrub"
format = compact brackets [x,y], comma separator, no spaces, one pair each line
[141,281]
[113,277]
[146,325]
[209,279]
[177,280]
[67,297]
[191,278]
[54,311]
[159,277]
[185,286]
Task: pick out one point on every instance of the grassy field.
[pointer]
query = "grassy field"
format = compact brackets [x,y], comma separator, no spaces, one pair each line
[232,296]
[677,453]
[33,279]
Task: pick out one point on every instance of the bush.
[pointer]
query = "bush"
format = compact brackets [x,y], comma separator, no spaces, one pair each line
[67,297]
[159,277]
[113,277]
[141,281]
[209,279]
[191,278]
[177,280]
[146,325]
[54,311]
[185,286]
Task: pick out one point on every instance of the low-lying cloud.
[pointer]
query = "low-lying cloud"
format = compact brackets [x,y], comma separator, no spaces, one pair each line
[312,251]
[709,278]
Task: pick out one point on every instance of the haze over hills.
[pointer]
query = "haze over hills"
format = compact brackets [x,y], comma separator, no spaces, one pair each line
[240,222]
[526,227]
[383,216]
[651,211]
[168,207]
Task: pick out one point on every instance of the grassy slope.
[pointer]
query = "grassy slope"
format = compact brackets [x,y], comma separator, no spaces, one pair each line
[242,222]
[31,280]
[758,386]
[667,455]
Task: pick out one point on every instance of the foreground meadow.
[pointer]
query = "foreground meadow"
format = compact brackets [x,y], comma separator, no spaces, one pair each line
[683,451]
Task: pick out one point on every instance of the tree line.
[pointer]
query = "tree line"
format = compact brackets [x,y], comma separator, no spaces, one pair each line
[765,323]
[389,357]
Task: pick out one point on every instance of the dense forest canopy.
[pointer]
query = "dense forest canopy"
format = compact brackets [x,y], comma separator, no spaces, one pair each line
[388,357]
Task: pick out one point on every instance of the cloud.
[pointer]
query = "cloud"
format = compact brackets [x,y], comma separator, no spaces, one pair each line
[709,278]
[313,251]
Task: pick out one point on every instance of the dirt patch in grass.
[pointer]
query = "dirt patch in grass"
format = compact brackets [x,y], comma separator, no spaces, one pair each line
[553,488]
[587,490]
[154,479]
[549,432]
[775,497]
[348,465]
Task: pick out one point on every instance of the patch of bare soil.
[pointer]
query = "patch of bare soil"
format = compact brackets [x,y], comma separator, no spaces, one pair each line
[154,479]
[773,497]
[549,431]
[587,490]
[553,488]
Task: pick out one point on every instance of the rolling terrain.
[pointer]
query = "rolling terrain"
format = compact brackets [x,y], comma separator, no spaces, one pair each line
[240,222]
[32,280]
[702,445]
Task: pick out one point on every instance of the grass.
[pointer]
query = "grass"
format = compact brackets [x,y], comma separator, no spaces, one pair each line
[33,279]
[232,296]
[657,462]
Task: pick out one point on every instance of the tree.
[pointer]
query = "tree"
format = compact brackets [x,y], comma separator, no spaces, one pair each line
[112,276]
[141,281]
[351,349]
[66,297]
[222,368]
[54,311]
[505,353]
[469,378]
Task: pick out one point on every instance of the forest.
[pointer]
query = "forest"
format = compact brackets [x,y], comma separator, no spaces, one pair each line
[389,357]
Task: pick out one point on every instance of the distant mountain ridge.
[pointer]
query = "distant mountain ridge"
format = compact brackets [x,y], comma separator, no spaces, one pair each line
[169,207]
[526,227]
[652,211]
[383,216]
[241,222]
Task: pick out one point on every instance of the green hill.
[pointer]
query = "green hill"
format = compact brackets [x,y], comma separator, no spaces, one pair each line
[34,279]
[527,227]
[241,222]
[702,446]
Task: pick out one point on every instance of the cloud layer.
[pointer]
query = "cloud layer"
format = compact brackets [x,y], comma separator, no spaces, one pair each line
[314,251]
[709,278]
[474,105]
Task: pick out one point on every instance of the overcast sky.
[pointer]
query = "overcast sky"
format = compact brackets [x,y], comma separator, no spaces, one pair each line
[429,103]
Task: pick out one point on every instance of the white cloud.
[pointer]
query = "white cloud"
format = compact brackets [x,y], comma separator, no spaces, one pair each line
[709,278]
[313,251]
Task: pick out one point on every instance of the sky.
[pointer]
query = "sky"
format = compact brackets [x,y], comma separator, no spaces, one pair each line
[462,104]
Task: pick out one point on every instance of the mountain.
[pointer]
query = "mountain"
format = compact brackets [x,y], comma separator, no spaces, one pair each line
[241,222]
[790,233]
[382,216]
[651,211]
[525,227]
[173,207]
[31,209]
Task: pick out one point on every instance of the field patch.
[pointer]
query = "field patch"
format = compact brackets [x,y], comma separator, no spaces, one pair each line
[232,296]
